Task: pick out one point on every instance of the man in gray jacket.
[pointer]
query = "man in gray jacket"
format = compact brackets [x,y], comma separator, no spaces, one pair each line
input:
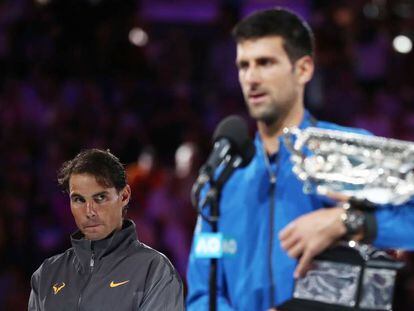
[107,267]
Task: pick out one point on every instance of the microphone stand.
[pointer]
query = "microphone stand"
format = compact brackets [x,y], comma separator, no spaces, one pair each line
[213,194]
[213,198]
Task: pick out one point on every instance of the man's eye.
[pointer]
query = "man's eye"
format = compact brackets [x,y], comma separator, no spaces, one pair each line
[265,62]
[242,66]
[100,198]
[78,200]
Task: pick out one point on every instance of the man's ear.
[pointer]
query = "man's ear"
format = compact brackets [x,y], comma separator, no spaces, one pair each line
[126,194]
[304,68]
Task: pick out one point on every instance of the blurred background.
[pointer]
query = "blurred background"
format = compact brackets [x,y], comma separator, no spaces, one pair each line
[150,80]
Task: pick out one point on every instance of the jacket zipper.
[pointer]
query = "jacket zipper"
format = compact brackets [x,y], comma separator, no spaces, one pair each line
[272,192]
[271,234]
[92,262]
[91,267]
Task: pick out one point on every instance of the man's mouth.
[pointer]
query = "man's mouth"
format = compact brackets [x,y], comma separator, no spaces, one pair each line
[257,98]
[91,226]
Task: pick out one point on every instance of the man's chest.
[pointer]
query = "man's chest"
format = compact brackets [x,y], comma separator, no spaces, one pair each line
[103,289]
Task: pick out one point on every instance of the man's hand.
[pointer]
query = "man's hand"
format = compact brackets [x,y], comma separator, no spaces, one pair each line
[310,234]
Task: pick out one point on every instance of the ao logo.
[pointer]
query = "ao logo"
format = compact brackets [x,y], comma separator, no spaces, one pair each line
[213,245]
[229,246]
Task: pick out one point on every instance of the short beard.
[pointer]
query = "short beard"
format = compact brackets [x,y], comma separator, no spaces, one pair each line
[269,117]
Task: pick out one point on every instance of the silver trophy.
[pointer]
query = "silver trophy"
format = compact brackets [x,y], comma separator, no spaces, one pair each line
[363,167]
[374,168]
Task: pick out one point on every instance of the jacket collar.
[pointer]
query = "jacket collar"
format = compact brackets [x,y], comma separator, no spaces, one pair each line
[307,121]
[115,242]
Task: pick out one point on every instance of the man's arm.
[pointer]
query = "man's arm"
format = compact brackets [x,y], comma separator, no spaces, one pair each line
[311,234]
[164,288]
[395,227]
[198,279]
[33,304]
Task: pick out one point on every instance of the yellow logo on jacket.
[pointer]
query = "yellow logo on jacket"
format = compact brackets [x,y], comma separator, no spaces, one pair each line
[57,287]
[113,284]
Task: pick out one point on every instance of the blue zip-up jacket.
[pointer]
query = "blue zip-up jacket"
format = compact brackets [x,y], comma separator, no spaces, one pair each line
[259,275]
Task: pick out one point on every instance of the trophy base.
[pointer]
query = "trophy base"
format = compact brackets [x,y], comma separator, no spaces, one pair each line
[345,278]
[305,305]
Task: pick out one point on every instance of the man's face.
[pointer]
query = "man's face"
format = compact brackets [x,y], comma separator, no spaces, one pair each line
[97,209]
[267,78]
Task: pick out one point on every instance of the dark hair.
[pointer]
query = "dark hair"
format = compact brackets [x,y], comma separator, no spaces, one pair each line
[295,32]
[102,164]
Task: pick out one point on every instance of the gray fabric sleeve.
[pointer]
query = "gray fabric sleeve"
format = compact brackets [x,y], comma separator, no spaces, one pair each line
[33,304]
[163,288]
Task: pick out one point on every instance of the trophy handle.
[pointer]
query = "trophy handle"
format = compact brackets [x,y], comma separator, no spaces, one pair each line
[288,135]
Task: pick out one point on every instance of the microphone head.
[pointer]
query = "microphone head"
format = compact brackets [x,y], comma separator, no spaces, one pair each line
[234,129]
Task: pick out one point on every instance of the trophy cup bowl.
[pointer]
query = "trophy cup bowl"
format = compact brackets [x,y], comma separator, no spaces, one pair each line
[365,168]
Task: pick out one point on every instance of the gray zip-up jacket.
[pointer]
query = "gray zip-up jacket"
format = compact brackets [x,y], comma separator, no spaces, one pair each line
[117,273]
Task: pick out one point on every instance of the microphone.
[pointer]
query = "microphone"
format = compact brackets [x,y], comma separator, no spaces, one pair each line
[232,149]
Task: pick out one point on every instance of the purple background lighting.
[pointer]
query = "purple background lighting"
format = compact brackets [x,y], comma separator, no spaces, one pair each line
[70,79]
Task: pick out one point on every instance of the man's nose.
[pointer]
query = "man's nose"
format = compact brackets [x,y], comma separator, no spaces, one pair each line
[252,75]
[90,209]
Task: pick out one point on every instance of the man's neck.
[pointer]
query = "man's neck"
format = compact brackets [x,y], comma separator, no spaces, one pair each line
[269,132]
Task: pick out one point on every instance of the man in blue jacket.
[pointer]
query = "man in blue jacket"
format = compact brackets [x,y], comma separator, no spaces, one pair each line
[263,210]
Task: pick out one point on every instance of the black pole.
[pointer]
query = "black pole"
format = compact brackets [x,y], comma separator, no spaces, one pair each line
[214,215]
[212,199]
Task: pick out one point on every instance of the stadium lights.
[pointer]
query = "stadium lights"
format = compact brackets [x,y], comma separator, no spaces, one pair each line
[42,2]
[138,37]
[402,44]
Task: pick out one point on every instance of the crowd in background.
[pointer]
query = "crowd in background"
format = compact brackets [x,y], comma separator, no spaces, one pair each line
[71,79]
